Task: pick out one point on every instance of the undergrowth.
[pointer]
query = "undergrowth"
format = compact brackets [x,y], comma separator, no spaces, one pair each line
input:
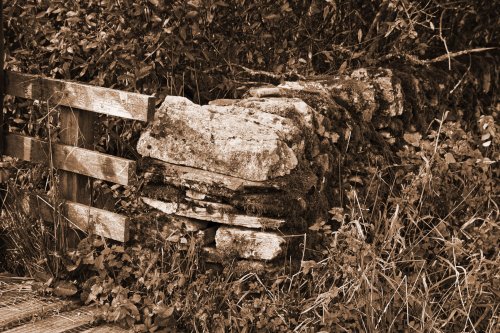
[207,49]
[415,250]
[424,258]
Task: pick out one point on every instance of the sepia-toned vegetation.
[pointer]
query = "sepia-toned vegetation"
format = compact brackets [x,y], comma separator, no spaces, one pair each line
[411,243]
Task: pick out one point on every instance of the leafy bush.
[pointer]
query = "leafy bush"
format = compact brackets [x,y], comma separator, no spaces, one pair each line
[204,48]
[418,251]
[424,258]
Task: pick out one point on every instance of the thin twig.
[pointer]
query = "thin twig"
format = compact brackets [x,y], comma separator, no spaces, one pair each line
[461,79]
[459,53]
[416,61]
[447,56]
[270,75]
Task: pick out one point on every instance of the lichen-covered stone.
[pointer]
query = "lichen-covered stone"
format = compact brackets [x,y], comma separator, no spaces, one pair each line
[292,108]
[213,212]
[240,141]
[373,92]
[249,244]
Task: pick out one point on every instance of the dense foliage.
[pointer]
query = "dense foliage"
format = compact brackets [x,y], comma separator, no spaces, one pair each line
[211,48]
[415,249]
[423,258]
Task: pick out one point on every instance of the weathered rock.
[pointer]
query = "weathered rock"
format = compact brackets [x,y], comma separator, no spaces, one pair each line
[277,204]
[239,267]
[284,153]
[173,230]
[249,244]
[195,195]
[233,140]
[165,207]
[375,93]
[187,224]
[211,254]
[214,212]
[206,236]
[226,214]
[203,181]
[386,87]
[291,108]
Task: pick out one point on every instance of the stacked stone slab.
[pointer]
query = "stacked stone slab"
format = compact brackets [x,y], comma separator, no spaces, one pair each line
[227,163]
[252,172]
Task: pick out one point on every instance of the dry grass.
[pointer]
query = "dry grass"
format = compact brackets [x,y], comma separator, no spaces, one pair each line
[417,252]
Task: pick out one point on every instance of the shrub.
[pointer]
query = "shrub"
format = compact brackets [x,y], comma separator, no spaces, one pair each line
[204,48]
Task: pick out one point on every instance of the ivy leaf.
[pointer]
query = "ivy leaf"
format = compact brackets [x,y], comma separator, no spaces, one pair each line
[413,138]
[487,143]
[337,214]
[360,35]
[191,14]
[65,289]
[448,157]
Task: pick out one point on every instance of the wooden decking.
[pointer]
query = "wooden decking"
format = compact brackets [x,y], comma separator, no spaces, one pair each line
[23,311]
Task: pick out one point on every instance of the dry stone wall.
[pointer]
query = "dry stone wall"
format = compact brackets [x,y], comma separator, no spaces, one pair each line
[247,175]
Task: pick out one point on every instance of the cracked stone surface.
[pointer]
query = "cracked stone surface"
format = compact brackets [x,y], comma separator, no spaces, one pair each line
[251,140]
[371,92]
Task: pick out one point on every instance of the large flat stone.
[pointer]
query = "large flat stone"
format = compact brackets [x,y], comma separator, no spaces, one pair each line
[241,141]
[249,244]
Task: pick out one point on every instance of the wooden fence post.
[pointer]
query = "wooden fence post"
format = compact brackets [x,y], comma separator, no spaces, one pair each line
[2,91]
[74,156]
[2,81]
[76,130]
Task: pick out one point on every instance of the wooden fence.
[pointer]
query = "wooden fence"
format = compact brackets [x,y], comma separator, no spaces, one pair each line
[73,156]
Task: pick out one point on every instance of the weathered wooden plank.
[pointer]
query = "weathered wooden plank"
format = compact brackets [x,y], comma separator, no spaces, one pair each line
[214,212]
[62,322]
[83,217]
[85,97]
[12,314]
[107,329]
[103,222]
[20,308]
[249,244]
[83,161]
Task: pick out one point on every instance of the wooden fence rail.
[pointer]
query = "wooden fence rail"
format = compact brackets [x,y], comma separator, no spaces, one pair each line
[78,104]
[69,158]
[80,96]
